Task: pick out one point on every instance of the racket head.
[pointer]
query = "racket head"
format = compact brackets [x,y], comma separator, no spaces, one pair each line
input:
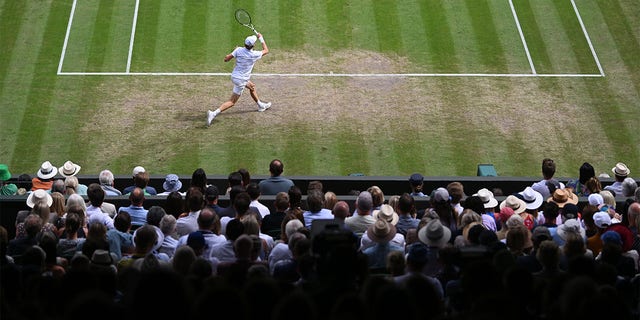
[243,17]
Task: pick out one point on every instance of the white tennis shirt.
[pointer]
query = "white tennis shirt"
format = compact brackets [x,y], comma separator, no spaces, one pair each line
[245,59]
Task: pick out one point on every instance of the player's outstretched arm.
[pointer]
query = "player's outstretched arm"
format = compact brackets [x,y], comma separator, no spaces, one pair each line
[265,48]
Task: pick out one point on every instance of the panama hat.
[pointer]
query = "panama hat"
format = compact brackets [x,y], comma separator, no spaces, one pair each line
[386,212]
[518,205]
[434,234]
[381,231]
[562,197]
[532,198]
[487,198]
[39,196]
[69,169]
[47,171]
[621,169]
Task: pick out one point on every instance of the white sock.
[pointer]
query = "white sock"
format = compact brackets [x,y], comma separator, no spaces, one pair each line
[217,112]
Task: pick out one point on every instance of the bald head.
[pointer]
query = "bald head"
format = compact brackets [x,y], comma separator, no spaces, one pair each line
[341,210]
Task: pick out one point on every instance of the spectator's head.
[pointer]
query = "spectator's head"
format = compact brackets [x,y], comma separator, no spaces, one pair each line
[195,199]
[620,171]
[406,204]
[253,190]
[32,225]
[364,202]
[137,196]
[330,199]
[106,178]
[168,224]
[241,203]
[211,194]
[246,176]
[315,184]
[549,254]
[199,179]
[456,191]
[416,182]
[141,180]
[234,229]
[276,167]
[95,194]
[145,238]
[122,221]
[235,179]
[281,202]
[593,185]
[315,200]
[209,220]
[341,210]
[377,196]
[629,186]
[58,186]
[155,215]
[71,184]
[172,183]
[295,197]
[548,168]
[586,172]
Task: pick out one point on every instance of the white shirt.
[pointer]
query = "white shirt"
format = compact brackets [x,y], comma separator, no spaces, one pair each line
[245,59]
[95,214]
[188,224]
[278,253]
[264,210]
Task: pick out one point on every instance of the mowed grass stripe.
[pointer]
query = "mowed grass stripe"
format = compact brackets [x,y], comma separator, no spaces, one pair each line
[193,54]
[338,23]
[463,37]
[514,54]
[169,36]
[488,41]
[100,39]
[413,36]
[78,51]
[442,52]
[45,41]
[627,44]
[580,50]
[558,41]
[17,70]
[144,49]
[534,35]
[363,32]
[387,26]
[290,18]
[11,18]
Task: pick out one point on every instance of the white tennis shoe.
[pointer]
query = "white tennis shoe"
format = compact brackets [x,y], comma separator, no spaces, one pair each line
[210,117]
[264,106]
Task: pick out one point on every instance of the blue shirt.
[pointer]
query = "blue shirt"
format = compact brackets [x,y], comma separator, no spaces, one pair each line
[273,185]
[377,255]
[138,214]
[310,216]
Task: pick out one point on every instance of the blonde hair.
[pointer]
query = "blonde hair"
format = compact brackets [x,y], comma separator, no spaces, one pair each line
[608,198]
[71,185]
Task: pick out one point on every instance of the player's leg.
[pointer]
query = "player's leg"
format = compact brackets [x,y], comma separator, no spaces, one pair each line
[262,106]
[238,87]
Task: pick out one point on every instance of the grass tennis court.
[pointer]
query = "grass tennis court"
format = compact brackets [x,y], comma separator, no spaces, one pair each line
[373,87]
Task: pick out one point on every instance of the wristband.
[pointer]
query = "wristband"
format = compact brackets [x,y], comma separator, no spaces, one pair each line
[261,39]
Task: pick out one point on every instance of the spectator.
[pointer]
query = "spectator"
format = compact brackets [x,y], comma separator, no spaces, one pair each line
[120,238]
[416,183]
[271,223]
[629,186]
[548,184]
[254,192]
[416,261]
[106,180]
[579,186]
[381,233]
[6,189]
[377,197]
[32,226]
[199,180]
[170,241]
[387,214]
[456,191]
[70,169]
[174,204]
[246,176]
[171,183]
[188,222]
[234,179]
[341,211]
[136,209]
[276,182]
[94,211]
[145,240]
[315,204]
[140,180]
[44,176]
[330,200]
[435,237]
[620,172]
[211,196]
[440,202]
[209,226]
[533,200]
[360,222]
[406,210]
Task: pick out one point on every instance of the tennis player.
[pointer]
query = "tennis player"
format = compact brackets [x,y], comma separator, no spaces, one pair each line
[246,57]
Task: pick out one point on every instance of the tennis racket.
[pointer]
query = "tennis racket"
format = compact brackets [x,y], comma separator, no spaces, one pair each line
[244,18]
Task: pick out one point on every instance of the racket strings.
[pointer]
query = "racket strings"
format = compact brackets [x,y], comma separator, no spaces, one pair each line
[243,17]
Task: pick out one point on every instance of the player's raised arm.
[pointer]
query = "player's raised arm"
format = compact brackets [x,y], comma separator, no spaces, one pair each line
[265,48]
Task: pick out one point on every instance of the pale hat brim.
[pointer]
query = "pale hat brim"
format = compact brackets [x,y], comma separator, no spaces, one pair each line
[76,169]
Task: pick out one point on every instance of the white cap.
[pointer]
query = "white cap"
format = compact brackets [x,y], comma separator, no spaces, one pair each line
[137,170]
[250,40]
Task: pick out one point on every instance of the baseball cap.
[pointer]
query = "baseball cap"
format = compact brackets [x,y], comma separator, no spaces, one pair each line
[416,179]
[602,219]
[250,40]
[137,170]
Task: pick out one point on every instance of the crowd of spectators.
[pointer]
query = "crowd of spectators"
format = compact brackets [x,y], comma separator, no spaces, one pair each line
[534,255]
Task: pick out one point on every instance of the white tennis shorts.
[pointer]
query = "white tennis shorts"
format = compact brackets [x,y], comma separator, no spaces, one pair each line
[238,85]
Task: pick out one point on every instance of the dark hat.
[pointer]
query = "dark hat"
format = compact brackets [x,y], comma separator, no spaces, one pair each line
[416,179]
[418,254]
[570,211]
[541,233]
[211,192]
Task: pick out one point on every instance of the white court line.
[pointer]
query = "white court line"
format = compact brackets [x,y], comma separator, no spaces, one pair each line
[133,35]
[66,37]
[584,30]
[349,75]
[524,42]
